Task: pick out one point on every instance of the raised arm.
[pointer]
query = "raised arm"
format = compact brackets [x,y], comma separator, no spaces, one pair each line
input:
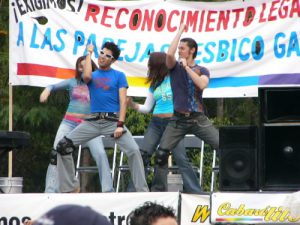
[171,59]
[87,71]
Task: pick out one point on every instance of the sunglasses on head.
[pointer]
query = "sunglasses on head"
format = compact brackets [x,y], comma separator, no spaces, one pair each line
[108,56]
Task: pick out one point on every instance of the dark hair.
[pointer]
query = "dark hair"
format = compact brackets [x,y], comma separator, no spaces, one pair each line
[114,49]
[157,69]
[191,44]
[148,213]
[77,72]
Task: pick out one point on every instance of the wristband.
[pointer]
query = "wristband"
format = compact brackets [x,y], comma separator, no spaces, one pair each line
[120,124]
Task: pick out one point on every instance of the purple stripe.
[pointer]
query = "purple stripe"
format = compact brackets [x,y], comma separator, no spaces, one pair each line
[291,78]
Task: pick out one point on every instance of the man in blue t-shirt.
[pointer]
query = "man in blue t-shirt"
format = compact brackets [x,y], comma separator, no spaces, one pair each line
[188,80]
[108,91]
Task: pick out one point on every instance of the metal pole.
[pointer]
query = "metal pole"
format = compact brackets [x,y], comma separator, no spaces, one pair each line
[10,128]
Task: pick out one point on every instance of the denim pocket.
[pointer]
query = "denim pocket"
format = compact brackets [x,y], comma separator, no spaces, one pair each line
[203,121]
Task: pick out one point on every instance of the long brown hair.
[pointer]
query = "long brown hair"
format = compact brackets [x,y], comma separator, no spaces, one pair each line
[157,69]
[77,72]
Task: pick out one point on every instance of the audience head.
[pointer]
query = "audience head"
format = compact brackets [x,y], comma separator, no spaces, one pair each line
[152,214]
[72,215]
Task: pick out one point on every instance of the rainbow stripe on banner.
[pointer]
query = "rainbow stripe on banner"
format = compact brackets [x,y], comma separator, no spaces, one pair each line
[270,79]
[239,219]
[26,69]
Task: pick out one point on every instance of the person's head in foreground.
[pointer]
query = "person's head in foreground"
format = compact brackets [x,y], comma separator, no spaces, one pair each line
[72,215]
[152,214]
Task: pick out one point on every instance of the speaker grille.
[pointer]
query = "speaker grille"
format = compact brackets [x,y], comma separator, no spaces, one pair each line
[238,158]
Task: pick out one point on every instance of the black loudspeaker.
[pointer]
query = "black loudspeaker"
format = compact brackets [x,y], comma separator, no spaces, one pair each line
[279,166]
[279,152]
[238,158]
[279,104]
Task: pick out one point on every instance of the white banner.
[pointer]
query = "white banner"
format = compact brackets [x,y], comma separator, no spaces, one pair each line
[220,208]
[252,208]
[15,208]
[244,44]
[195,209]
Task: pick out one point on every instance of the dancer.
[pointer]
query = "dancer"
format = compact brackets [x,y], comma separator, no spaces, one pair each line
[78,109]
[160,97]
[108,89]
[188,81]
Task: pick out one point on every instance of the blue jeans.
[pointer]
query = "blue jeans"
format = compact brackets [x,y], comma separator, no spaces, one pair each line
[152,138]
[177,128]
[97,151]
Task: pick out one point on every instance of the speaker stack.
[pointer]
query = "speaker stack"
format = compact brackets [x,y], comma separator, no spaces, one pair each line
[279,164]
[266,157]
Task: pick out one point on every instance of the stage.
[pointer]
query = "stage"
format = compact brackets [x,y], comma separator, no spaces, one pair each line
[220,207]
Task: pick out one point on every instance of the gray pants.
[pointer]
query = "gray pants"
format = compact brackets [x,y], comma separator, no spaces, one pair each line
[198,125]
[175,131]
[97,151]
[88,130]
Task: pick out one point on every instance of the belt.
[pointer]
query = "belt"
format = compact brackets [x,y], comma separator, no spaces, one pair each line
[163,115]
[187,114]
[103,115]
